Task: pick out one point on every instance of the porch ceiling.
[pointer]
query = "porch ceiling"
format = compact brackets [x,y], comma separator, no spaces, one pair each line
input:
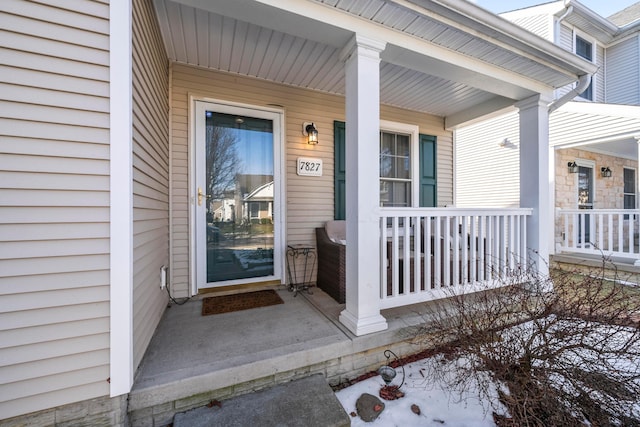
[437,60]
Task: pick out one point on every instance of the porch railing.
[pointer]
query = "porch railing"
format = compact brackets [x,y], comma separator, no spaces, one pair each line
[603,232]
[458,249]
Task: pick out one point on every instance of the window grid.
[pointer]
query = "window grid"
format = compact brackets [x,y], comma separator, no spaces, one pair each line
[629,191]
[395,169]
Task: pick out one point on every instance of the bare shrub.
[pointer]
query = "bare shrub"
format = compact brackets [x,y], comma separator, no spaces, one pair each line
[564,349]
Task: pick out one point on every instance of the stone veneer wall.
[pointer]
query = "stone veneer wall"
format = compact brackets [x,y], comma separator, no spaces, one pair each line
[99,412]
[609,191]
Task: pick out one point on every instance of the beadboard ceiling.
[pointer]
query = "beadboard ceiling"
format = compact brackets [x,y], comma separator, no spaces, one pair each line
[254,39]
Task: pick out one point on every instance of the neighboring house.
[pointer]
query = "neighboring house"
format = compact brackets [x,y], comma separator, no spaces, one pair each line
[254,197]
[593,139]
[117,119]
[258,205]
[223,210]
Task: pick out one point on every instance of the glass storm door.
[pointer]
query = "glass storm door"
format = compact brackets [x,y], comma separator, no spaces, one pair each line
[585,200]
[236,197]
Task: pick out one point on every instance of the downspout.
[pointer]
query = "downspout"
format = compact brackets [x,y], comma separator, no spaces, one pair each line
[584,80]
[583,83]
[556,35]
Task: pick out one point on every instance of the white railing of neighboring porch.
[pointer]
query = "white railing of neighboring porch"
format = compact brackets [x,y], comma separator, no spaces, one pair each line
[482,247]
[606,232]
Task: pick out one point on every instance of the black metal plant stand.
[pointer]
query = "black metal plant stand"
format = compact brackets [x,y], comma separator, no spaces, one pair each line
[308,255]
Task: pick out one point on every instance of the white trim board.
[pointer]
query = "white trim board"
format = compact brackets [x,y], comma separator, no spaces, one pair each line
[121,201]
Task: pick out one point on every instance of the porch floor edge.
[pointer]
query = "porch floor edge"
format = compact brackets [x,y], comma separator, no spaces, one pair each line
[596,261]
[237,353]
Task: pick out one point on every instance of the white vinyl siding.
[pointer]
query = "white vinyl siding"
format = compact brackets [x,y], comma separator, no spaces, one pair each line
[488,173]
[150,175]
[566,38]
[54,204]
[571,124]
[565,42]
[623,72]
[309,200]
[541,25]
[598,93]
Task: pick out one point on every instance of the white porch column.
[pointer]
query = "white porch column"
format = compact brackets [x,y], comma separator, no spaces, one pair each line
[121,200]
[637,206]
[362,69]
[535,179]
[637,138]
[551,234]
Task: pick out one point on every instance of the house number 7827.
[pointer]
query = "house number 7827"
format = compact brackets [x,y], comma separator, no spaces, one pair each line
[309,166]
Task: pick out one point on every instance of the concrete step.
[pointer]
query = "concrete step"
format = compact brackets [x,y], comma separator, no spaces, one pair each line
[307,402]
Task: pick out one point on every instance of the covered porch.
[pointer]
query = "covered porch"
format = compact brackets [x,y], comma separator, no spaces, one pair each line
[413,69]
[596,180]
[373,65]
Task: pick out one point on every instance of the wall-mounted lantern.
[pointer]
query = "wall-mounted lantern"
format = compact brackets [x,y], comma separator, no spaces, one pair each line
[605,172]
[573,167]
[309,130]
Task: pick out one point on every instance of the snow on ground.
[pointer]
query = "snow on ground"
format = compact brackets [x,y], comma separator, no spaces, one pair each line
[438,406]
[441,405]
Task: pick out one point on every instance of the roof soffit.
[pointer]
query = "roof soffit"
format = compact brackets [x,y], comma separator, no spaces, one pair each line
[604,30]
[590,22]
[459,70]
[448,29]
[502,32]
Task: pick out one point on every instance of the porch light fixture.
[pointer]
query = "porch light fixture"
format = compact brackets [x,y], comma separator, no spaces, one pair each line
[573,167]
[309,130]
[506,143]
[605,172]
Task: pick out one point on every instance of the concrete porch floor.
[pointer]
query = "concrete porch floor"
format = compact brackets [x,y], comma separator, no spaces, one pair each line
[194,359]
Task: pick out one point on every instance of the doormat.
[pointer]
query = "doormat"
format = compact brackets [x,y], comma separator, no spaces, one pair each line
[237,302]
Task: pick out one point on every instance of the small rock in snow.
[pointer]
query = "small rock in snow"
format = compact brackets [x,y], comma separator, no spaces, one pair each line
[369,407]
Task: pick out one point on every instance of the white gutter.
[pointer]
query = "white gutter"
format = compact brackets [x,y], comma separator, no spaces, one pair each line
[583,83]
[557,29]
[501,29]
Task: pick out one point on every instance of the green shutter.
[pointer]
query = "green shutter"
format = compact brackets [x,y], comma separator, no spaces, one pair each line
[428,171]
[339,169]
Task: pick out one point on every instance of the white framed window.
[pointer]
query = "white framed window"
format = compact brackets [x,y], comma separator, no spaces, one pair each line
[585,47]
[399,164]
[629,190]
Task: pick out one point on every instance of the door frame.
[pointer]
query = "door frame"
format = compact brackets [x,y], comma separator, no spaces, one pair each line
[586,164]
[589,219]
[198,260]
